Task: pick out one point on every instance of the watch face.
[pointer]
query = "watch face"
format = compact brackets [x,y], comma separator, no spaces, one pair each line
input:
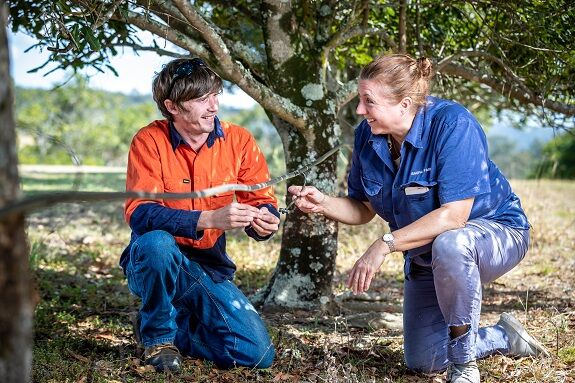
[388,237]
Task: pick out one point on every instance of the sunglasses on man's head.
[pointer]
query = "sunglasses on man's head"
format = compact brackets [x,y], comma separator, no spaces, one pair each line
[185,69]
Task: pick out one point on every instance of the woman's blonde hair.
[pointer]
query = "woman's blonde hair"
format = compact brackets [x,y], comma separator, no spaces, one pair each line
[401,76]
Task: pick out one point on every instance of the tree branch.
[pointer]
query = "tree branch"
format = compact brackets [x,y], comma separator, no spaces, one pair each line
[170,15]
[27,204]
[354,17]
[473,53]
[361,31]
[101,20]
[278,40]
[252,60]
[164,31]
[346,92]
[158,50]
[238,74]
[339,36]
[418,28]
[507,90]
[402,25]
[254,17]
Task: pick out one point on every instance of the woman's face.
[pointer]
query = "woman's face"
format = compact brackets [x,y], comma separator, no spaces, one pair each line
[383,115]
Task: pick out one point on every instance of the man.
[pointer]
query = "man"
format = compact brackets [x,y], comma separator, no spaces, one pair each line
[176,261]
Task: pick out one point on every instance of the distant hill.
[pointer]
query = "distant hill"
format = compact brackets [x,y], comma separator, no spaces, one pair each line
[523,138]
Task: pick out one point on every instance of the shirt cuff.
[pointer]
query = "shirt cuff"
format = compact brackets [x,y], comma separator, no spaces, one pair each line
[254,234]
[188,224]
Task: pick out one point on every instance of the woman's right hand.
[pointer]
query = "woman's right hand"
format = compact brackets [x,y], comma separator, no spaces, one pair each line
[307,198]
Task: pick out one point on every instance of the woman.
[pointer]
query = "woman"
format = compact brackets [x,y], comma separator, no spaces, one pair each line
[421,163]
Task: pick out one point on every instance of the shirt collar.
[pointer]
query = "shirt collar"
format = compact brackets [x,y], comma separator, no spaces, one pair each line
[414,136]
[176,138]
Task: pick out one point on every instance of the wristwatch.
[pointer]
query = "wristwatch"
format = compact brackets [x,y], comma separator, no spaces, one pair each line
[388,238]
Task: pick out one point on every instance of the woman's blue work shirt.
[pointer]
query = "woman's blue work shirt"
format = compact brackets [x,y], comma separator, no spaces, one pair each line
[443,159]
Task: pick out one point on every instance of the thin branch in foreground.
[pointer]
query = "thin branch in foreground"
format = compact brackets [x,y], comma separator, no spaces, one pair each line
[28,204]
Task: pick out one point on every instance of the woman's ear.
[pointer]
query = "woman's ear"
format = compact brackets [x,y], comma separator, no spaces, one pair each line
[406,103]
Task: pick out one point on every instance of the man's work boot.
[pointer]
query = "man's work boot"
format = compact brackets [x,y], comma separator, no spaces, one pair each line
[520,342]
[163,357]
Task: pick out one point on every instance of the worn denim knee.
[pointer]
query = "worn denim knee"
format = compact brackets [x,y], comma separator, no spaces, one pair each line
[452,253]
[456,276]
[247,353]
[182,304]
[427,354]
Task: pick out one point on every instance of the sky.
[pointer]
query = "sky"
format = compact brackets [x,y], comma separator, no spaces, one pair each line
[135,72]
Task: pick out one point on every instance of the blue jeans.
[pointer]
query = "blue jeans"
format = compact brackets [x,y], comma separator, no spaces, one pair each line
[182,305]
[443,289]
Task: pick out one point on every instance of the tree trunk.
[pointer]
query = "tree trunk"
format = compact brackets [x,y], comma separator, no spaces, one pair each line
[304,272]
[15,293]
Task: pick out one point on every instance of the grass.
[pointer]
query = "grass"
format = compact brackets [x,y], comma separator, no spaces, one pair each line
[83,331]
[34,183]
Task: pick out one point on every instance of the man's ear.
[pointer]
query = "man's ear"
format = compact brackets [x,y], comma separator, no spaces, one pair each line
[171,106]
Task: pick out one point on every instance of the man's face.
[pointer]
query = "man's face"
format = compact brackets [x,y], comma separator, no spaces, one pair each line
[197,115]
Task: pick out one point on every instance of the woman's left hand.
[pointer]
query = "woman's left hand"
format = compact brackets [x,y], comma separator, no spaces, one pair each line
[365,267]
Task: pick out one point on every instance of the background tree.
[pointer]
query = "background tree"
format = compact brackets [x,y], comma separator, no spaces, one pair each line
[299,60]
[558,158]
[78,125]
[15,289]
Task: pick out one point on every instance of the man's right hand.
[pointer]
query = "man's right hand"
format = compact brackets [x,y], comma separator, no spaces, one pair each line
[228,217]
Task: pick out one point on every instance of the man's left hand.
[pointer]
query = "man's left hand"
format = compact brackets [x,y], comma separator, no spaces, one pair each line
[266,223]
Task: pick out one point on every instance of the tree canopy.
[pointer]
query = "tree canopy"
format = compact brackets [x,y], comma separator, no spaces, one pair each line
[523,50]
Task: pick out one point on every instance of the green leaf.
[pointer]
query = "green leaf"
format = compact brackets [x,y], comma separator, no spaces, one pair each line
[91,38]
[111,68]
[64,7]
[75,32]
[123,11]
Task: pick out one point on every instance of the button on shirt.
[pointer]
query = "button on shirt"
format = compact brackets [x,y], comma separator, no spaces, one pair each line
[161,161]
[444,158]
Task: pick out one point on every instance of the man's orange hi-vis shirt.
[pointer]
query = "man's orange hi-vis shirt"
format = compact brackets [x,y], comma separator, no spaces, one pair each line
[160,161]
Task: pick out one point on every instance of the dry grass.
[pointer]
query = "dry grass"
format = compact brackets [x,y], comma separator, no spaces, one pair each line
[83,333]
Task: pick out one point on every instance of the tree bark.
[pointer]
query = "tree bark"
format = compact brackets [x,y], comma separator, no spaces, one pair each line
[15,293]
[304,271]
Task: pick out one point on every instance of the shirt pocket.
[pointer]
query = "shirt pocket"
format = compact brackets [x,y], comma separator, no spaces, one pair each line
[177,185]
[420,198]
[221,200]
[373,190]
[224,198]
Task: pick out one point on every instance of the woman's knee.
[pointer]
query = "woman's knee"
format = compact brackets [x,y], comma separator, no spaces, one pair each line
[425,361]
[451,247]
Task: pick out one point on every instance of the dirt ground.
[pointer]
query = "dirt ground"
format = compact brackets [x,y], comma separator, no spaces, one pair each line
[83,332]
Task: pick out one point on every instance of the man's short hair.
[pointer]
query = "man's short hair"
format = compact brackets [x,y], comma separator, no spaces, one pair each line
[182,80]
